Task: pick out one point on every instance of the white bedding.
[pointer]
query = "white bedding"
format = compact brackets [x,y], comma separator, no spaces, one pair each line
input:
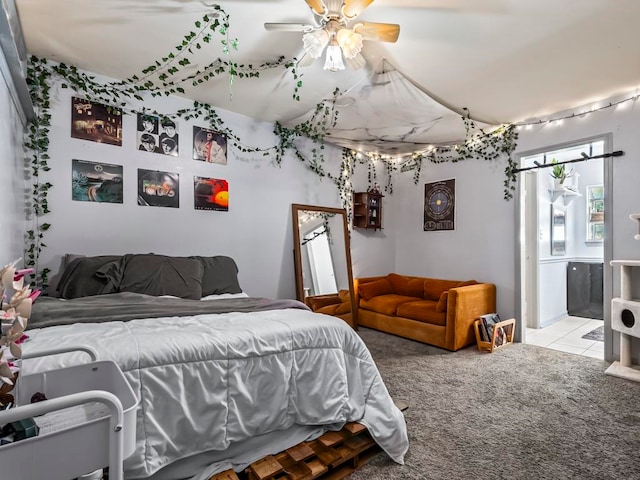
[207,382]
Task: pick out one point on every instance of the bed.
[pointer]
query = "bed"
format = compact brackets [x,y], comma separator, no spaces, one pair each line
[222,378]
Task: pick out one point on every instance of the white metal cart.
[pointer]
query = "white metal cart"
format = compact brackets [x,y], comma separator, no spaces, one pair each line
[81,448]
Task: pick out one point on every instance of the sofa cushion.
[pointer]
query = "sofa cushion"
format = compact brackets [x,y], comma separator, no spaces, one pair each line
[344,295]
[328,309]
[442,302]
[444,296]
[434,287]
[407,286]
[342,308]
[386,304]
[423,311]
[373,289]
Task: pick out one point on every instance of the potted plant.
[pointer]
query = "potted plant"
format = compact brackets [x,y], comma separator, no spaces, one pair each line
[559,174]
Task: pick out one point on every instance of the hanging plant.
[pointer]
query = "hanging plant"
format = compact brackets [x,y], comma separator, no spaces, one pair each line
[163,77]
[166,76]
[478,144]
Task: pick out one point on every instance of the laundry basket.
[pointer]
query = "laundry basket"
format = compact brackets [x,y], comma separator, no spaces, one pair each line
[69,450]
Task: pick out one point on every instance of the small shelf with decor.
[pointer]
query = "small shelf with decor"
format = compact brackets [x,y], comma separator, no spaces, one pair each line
[502,334]
[367,210]
[568,194]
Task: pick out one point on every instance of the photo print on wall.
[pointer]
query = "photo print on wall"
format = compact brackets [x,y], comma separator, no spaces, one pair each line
[439,205]
[209,146]
[210,194]
[147,133]
[168,138]
[96,182]
[157,135]
[95,122]
[158,189]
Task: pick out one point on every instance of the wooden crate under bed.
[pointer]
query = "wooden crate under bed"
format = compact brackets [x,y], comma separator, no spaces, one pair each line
[331,456]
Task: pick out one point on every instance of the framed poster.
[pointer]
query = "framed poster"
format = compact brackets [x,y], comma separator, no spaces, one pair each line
[96,182]
[210,194]
[158,189]
[95,122]
[209,146]
[439,205]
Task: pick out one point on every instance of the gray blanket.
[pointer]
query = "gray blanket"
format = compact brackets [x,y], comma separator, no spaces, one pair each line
[48,311]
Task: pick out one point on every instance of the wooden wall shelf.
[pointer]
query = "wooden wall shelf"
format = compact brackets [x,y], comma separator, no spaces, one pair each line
[367,210]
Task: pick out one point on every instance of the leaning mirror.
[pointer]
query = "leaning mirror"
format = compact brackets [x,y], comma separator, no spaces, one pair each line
[323,261]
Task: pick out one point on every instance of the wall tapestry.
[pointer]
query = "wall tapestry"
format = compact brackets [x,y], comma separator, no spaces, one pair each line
[158,189]
[95,122]
[96,182]
[209,146]
[210,194]
[439,205]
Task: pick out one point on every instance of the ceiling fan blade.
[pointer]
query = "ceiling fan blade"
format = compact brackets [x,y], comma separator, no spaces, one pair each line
[353,8]
[288,27]
[317,6]
[381,32]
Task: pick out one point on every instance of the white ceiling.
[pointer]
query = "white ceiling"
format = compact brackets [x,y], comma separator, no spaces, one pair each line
[504,60]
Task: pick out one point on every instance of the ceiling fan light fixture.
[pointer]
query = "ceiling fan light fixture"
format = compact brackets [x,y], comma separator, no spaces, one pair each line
[315,41]
[355,63]
[333,61]
[350,42]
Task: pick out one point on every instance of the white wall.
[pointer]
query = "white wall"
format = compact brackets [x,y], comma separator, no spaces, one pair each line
[256,231]
[483,246]
[623,123]
[480,247]
[12,179]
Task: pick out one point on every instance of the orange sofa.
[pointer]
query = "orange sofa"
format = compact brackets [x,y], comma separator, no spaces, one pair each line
[429,310]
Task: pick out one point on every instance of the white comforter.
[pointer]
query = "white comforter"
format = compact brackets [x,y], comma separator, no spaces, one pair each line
[207,381]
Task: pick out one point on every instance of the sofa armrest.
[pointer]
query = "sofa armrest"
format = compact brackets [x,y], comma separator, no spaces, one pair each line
[316,302]
[464,305]
[359,281]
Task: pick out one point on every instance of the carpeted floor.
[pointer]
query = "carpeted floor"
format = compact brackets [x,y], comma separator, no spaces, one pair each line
[522,412]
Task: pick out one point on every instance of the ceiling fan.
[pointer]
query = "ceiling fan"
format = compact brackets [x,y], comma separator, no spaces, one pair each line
[343,42]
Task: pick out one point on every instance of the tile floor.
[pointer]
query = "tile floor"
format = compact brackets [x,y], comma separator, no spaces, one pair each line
[566,335]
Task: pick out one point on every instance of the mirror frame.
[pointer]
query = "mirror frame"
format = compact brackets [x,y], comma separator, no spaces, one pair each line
[297,253]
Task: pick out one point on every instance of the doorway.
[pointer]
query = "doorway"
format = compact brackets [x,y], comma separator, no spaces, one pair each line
[562,230]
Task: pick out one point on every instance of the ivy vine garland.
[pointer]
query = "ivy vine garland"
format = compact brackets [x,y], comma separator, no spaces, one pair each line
[162,78]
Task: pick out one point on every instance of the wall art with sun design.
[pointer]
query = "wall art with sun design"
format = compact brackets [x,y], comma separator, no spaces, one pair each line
[439,205]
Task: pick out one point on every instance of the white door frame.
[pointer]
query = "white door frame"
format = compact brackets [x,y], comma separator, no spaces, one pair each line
[527,237]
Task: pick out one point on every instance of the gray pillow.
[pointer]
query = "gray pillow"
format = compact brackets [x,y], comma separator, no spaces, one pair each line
[220,275]
[80,277]
[162,275]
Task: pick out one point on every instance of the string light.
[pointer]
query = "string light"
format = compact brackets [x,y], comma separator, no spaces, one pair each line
[527,125]
[594,108]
